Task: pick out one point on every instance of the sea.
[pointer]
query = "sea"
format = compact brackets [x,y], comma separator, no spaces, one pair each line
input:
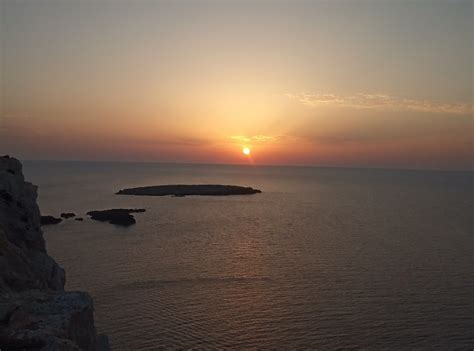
[322,259]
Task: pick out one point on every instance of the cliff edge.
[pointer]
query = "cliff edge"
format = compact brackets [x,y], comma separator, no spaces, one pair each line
[35,311]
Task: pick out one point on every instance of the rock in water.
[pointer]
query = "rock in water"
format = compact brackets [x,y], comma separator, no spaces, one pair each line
[181,190]
[45,220]
[35,311]
[118,216]
[68,215]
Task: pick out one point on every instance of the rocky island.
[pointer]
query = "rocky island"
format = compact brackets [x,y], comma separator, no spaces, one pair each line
[117,216]
[35,311]
[47,220]
[180,190]
[68,215]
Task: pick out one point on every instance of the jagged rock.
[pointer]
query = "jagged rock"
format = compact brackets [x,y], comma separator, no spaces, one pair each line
[46,220]
[7,197]
[181,190]
[68,215]
[118,216]
[35,311]
[49,320]
[80,219]
[24,263]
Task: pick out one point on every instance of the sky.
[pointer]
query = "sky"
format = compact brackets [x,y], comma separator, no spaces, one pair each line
[347,83]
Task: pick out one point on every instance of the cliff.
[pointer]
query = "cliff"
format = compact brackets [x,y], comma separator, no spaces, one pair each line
[35,311]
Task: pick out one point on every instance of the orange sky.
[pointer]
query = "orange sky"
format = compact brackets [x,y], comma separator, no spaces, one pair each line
[363,83]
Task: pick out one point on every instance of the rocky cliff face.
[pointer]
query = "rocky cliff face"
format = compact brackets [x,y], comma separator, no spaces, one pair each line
[35,311]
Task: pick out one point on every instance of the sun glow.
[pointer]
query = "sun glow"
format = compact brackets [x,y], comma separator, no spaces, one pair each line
[246,151]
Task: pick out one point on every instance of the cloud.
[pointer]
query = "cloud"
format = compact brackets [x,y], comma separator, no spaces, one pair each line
[255,139]
[380,102]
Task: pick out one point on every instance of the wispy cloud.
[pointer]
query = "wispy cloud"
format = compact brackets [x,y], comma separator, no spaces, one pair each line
[381,102]
[255,139]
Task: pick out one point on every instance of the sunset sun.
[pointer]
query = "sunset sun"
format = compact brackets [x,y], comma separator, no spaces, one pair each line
[271,174]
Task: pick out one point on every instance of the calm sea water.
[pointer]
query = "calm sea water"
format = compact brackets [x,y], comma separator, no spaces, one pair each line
[322,259]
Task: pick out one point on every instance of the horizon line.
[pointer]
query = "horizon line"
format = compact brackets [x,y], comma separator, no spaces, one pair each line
[254,165]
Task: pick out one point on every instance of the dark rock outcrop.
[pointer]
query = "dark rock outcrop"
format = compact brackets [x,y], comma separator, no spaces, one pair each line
[68,215]
[181,190]
[35,311]
[80,219]
[118,216]
[46,220]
